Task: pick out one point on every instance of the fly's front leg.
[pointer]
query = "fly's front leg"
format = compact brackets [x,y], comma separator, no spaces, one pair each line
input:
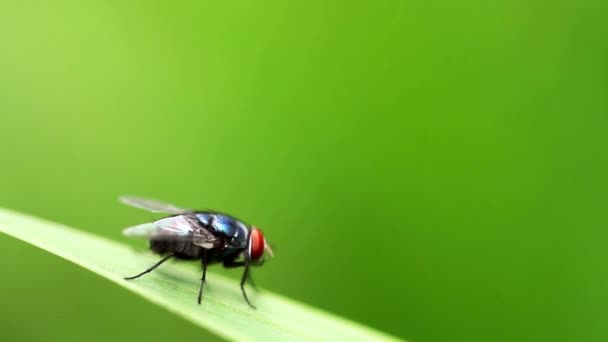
[250,280]
[243,280]
[246,276]
[234,264]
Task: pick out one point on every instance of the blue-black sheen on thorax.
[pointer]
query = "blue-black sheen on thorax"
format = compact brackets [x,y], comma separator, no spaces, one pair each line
[232,229]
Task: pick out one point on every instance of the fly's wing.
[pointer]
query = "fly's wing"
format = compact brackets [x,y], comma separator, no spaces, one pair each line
[205,239]
[175,228]
[170,228]
[153,206]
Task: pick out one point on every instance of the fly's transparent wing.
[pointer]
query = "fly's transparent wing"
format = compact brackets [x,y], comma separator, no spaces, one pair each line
[171,228]
[175,228]
[151,205]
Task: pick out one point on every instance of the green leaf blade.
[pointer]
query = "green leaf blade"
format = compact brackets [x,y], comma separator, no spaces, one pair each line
[223,310]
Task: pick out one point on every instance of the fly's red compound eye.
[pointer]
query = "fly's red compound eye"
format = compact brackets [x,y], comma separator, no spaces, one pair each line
[256,244]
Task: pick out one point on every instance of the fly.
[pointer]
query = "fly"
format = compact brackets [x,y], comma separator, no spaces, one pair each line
[208,236]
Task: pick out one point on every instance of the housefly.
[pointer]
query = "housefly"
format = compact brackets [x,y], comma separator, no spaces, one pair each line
[208,236]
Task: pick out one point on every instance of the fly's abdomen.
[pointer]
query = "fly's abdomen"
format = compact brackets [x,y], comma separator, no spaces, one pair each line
[181,249]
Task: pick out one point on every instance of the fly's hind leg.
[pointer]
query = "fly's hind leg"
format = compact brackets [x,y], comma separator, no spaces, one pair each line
[151,268]
[204,262]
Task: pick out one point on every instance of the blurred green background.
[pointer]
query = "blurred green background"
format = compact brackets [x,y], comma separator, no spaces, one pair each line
[436,170]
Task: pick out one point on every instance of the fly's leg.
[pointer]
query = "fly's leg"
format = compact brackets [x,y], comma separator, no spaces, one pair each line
[246,276]
[204,262]
[243,280]
[234,264]
[250,280]
[151,268]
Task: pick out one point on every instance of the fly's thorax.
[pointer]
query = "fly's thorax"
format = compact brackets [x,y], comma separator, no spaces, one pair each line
[233,231]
